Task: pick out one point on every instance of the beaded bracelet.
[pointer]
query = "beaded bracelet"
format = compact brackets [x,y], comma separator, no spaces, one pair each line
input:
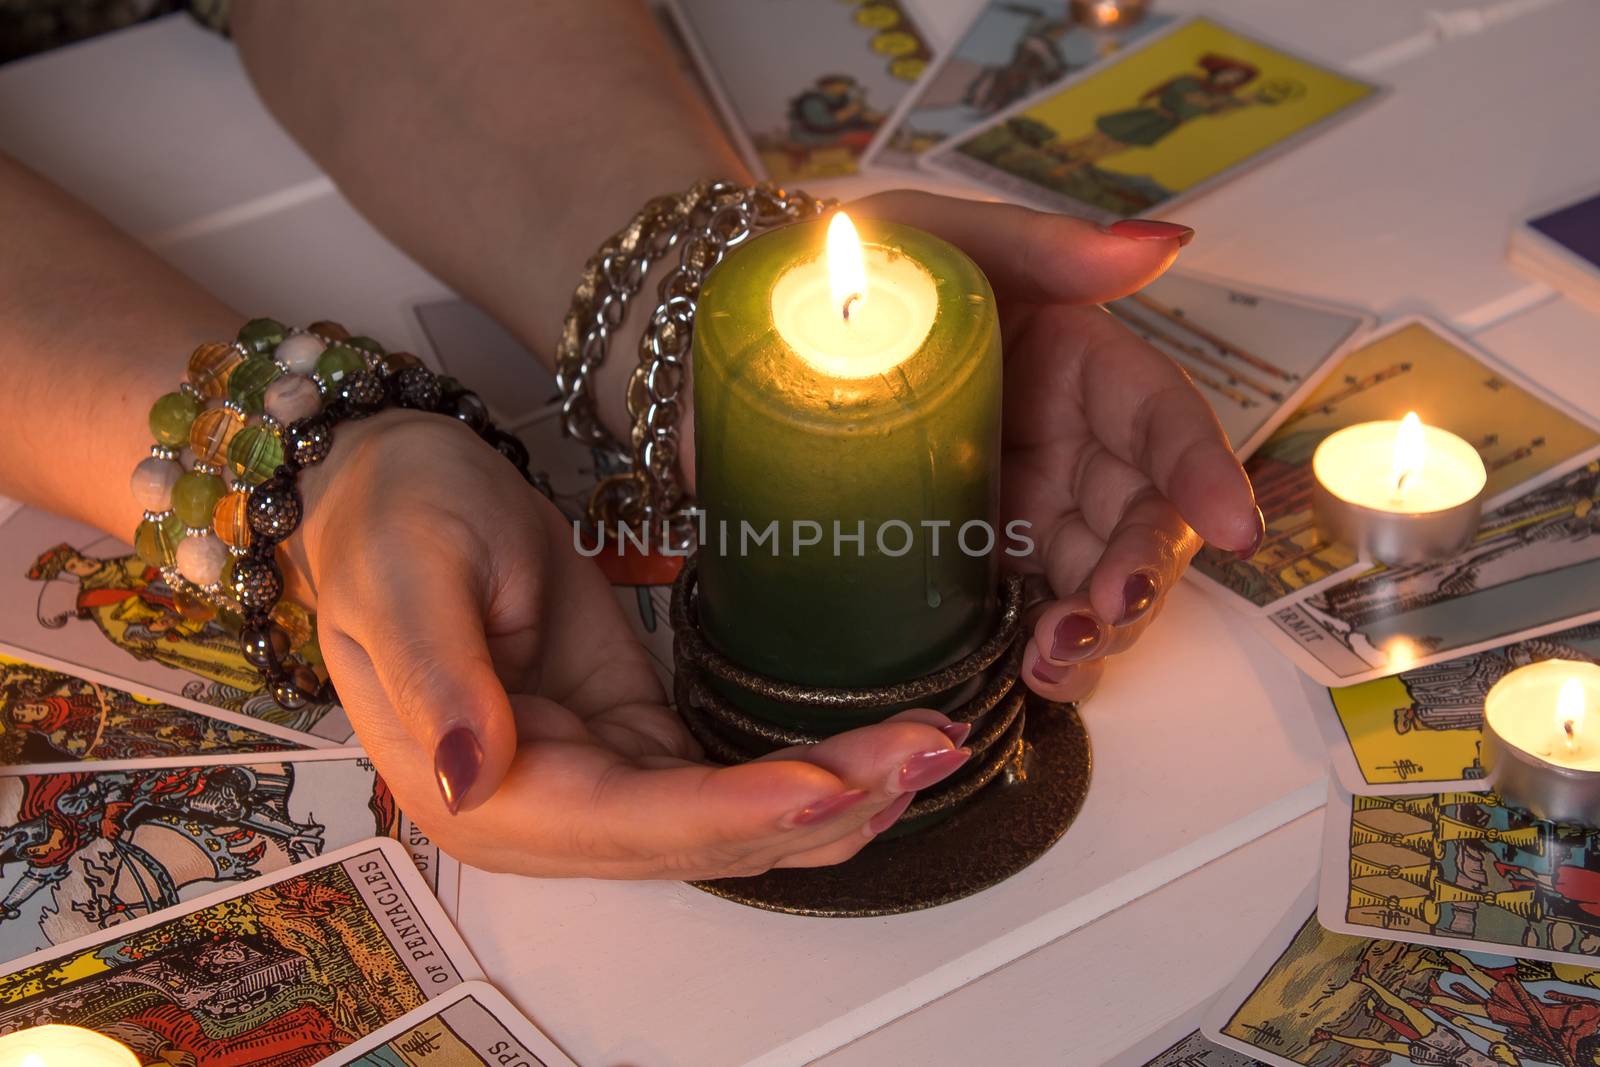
[262,408]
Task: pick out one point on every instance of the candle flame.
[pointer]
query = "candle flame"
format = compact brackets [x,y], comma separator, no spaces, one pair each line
[847,265]
[1106,12]
[1408,449]
[1570,711]
[30,1060]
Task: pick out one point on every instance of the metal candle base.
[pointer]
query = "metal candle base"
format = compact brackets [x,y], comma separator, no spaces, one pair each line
[1555,794]
[1391,537]
[1012,801]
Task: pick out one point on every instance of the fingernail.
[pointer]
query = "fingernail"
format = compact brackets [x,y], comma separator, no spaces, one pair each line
[927,768]
[456,763]
[1049,673]
[1076,636]
[1259,539]
[1138,593]
[1150,230]
[957,732]
[823,810]
[888,816]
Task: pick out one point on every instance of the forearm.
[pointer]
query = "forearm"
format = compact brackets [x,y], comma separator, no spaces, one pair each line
[93,328]
[496,142]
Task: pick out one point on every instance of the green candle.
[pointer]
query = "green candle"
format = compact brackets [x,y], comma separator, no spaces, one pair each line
[847,447]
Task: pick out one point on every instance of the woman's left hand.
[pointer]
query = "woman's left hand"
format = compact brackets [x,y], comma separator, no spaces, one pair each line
[1108,452]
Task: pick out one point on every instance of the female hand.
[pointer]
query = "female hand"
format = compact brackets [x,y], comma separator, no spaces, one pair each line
[493,679]
[1108,451]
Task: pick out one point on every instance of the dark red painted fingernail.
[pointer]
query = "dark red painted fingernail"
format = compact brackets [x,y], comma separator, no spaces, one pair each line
[1259,539]
[957,732]
[1049,673]
[1076,636]
[927,768]
[456,763]
[823,810]
[1150,230]
[888,816]
[1138,593]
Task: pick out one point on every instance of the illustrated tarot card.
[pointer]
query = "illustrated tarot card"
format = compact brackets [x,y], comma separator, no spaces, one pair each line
[1009,52]
[285,970]
[1316,998]
[473,1025]
[53,720]
[803,86]
[84,850]
[1421,731]
[1461,871]
[1182,111]
[1181,1044]
[1532,570]
[84,602]
[1524,436]
[1252,353]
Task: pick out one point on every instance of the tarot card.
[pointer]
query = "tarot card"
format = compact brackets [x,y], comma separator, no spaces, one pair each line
[1561,248]
[80,600]
[1461,871]
[1421,731]
[1523,435]
[86,849]
[53,720]
[803,87]
[1181,1044]
[1009,52]
[1253,354]
[1316,998]
[1532,569]
[284,971]
[473,1025]
[1181,112]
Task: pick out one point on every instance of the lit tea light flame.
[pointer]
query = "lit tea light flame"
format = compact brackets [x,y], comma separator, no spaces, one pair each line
[1408,448]
[1570,711]
[847,265]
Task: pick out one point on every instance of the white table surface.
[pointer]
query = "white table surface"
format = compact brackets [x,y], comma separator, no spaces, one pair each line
[1201,738]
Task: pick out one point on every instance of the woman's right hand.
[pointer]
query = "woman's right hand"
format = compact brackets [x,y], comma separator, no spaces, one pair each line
[491,675]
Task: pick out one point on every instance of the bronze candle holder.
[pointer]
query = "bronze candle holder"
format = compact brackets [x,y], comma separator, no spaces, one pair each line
[1014,799]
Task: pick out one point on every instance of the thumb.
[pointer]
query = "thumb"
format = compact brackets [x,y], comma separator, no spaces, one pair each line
[422,630]
[905,753]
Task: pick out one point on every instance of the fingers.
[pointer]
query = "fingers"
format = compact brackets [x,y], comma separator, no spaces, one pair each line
[909,751]
[1036,256]
[1065,684]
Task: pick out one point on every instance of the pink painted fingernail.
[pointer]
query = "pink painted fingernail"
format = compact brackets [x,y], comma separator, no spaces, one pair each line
[1076,636]
[957,732]
[823,810]
[1049,673]
[1150,230]
[927,768]
[456,763]
[888,816]
[1138,593]
[1259,539]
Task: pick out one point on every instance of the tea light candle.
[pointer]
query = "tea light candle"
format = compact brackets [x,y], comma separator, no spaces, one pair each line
[54,1045]
[1398,491]
[1105,14]
[1541,740]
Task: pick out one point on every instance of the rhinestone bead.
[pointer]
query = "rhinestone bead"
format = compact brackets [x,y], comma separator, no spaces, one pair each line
[156,540]
[254,454]
[292,398]
[308,442]
[209,367]
[296,621]
[264,647]
[213,431]
[331,330]
[200,558]
[469,409]
[152,483]
[299,352]
[337,362]
[274,509]
[229,519]
[257,582]
[262,335]
[416,387]
[171,417]
[247,385]
[362,391]
[195,497]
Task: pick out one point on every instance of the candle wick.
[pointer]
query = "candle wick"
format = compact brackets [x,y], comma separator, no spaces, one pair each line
[1571,731]
[1400,484]
[851,299]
